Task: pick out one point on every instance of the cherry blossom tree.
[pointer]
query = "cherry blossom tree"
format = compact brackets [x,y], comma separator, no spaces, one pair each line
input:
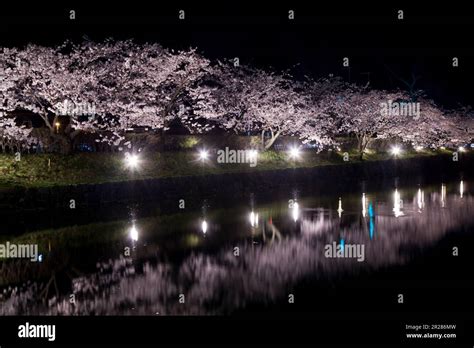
[247,99]
[40,79]
[143,84]
[99,87]
[437,127]
[11,133]
[321,124]
[360,112]
[110,87]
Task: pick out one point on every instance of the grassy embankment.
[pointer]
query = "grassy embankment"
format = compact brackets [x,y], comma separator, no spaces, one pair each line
[47,170]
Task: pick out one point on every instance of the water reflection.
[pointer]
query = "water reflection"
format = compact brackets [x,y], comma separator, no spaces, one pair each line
[339,208]
[443,195]
[133,233]
[420,200]
[204,226]
[253,219]
[290,249]
[364,205]
[371,221]
[270,232]
[295,211]
[397,204]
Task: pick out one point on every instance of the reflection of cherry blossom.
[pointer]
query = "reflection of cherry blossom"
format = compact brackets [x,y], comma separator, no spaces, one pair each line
[222,283]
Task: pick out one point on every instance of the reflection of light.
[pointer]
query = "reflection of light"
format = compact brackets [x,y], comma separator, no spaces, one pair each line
[203,155]
[371,210]
[397,204]
[443,195]
[134,233]
[253,219]
[341,244]
[204,226]
[364,205]
[132,160]
[418,148]
[420,198]
[461,188]
[371,228]
[461,149]
[371,221]
[294,152]
[295,211]
[339,209]
[396,150]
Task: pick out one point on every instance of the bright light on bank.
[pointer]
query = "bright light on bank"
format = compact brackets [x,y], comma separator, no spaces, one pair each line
[294,153]
[418,148]
[132,160]
[396,150]
[203,155]
[461,149]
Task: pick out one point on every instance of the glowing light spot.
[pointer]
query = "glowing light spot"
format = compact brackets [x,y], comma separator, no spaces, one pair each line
[295,211]
[443,195]
[396,150]
[253,219]
[134,233]
[204,226]
[132,160]
[294,153]
[364,205]
[397,204]
[420,200]
[339,208]
[203,155]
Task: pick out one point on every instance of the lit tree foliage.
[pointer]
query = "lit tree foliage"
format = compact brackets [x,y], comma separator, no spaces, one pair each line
[106,89]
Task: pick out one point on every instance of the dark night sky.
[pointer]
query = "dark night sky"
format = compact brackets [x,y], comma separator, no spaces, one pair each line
[314,43]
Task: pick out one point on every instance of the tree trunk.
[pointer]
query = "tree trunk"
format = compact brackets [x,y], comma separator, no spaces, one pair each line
[362,144]
[360,148]
[267,145]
